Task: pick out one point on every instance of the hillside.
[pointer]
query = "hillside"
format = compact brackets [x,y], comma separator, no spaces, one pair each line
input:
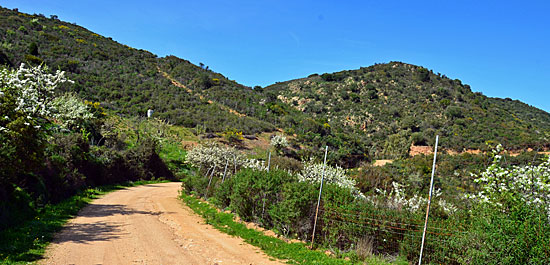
[396,103]
[124,79]
[373,112]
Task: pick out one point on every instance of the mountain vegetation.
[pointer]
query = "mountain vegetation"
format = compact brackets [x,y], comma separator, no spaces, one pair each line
[72,117]
[372,112]
[393,105]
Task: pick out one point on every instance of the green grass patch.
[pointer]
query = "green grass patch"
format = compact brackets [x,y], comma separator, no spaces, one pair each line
[292,253]
[27,242]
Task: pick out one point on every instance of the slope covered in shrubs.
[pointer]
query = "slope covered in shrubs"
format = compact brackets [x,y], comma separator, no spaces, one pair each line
[389,106]
[372,112]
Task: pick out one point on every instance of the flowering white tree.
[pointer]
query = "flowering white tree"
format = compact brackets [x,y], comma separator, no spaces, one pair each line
[33,87]
[500,185]
[25,106]
[397,199]
[212,157]
[70,111]
[313,172]
[30,92]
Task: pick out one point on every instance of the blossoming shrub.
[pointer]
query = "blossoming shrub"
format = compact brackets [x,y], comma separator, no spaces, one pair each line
[397,199]
[71,112]
[25,96]
[211,158]
[279,142]
[313,173]
[511,217]
[503,187]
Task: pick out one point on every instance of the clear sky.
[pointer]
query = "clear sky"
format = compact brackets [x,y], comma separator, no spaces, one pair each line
[500,48]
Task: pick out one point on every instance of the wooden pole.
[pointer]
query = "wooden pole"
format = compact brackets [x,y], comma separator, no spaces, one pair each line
[429,201]
[319,199]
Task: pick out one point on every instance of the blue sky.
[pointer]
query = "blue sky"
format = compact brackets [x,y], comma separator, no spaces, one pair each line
[500,48]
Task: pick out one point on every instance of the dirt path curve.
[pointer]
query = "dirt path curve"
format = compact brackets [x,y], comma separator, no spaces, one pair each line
[146,225]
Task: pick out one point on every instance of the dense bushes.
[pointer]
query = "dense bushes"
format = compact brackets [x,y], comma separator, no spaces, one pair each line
[515,232]
[50,147]
[274,199]
[350,111]
[519,235]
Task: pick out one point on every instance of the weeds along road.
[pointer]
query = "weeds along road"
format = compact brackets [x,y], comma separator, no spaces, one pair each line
[146,225]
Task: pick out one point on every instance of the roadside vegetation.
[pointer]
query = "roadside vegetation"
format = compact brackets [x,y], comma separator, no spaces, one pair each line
[499,216]
[56,149]
[66,133]
[292,253]
[26,242]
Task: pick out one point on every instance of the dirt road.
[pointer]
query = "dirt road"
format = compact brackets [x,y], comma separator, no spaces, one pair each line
[146,225]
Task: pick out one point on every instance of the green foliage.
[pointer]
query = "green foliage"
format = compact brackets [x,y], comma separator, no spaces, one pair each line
[518,236]
[279,201]
[194,183]
[362,107]
[396,96]
[33,60]
[291,216]
[33,49]
[423,74]
[294,253]
[254,193]
[397,145]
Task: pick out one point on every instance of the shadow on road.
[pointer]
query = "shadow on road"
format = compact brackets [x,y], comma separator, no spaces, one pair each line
[103,210]
[98,231]
[83,233]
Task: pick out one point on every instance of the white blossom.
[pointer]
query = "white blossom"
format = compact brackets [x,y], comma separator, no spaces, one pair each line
[530,184]
[34,88]
[70,111]
[313,172]
[396,199]
[279,141]
[212,156]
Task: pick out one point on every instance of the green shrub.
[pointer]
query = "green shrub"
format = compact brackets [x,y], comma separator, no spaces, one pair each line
[293,213]
[194,183]
[520,236]
[33,60]
[286,163]
[255,192]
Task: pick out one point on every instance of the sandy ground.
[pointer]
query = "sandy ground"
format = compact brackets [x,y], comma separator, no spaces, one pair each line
[146,225]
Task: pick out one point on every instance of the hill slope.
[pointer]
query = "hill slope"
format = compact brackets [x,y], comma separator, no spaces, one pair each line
[124,79]
[397,103]
[377,111]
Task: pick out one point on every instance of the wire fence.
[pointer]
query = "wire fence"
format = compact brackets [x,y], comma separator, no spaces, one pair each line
[347,228]
[374,226]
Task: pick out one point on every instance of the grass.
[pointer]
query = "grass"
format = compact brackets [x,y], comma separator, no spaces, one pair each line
[27,242]
[292,253]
